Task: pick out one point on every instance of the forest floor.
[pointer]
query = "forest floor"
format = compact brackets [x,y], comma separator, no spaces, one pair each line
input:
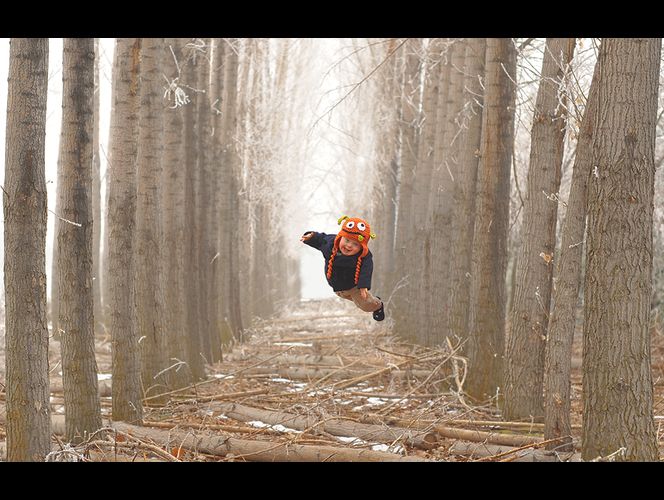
[324,382]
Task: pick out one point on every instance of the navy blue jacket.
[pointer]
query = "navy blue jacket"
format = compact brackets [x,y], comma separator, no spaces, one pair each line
[343,269]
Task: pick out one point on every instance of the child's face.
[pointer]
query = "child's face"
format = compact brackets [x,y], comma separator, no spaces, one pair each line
[349,247]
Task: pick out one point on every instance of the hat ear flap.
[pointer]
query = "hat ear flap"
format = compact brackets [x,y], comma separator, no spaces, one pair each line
[342,218]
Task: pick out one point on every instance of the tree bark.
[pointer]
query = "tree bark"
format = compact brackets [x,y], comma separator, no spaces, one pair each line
[191,167]
[76,312]
[214,282]
[463,208]
[149,283]
[96,204]
[230,171]
[173,223]
[617,379]
[26,330]
[121,224]
[203,195]
[524,371]
[334,426]
[404,275]
[487,290]
[562,324]
[445,178]
[261,451]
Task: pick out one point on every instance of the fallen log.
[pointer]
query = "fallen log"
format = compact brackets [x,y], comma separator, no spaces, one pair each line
[292,359]
[301,373]
[259,451]
[488,437]
[456,433]
[481,450]
[335,426]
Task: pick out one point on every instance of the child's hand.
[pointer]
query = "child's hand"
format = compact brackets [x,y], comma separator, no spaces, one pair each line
[363,293]
[306,237]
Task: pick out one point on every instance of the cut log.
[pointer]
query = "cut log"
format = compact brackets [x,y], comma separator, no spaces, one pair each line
[481,450]
[292,359]
[301,373]
[259,451]
[335,426]
[486,437]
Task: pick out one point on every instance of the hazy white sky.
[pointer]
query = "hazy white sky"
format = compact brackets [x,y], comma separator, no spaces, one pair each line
[323,200]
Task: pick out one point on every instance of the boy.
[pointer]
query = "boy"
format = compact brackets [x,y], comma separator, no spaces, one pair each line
[349,263]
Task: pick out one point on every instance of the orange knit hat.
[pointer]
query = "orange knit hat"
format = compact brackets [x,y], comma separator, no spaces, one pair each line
[356,229]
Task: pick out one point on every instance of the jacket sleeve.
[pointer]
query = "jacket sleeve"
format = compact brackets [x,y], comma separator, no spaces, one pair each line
[316,241]
[365,272]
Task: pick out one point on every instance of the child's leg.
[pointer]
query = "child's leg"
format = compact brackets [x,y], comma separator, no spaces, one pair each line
[370,304]
[345,294]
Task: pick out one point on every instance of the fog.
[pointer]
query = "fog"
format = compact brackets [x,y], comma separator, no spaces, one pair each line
[317,200]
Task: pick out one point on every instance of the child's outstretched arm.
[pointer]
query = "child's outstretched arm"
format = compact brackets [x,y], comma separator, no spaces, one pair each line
[314,239]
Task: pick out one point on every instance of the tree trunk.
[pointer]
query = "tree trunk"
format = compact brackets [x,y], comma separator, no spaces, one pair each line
[121,224]
[445,177]
[617,379]
[463,208]
[173,223]
[230,169]
[430,148]
[562,324]
[26,331]
[96,204]
[149,283]
[191,167]
[529,314]
[76,313]
[487,289]
[214,282]
[404,275]
[203,196]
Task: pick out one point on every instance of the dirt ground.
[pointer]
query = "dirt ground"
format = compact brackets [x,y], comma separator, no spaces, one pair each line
[323,381]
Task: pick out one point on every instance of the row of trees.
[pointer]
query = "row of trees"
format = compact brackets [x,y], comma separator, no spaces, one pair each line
[448,206]
[192,197]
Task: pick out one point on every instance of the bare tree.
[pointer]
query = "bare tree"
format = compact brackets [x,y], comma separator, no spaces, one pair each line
[463,208]
[149,282]
[120,236]
[558,355]
[96,205]
[26,332]
[229,170]
[617,379]
[487,289]
[524,371]
[173,223]
[410,98]
[191,229]
[75,315]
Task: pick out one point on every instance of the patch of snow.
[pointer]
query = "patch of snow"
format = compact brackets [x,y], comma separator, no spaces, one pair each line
[376,401]
[298,344]
[276,427]
[104,376]
[390,449]
[285,380]
[222,376]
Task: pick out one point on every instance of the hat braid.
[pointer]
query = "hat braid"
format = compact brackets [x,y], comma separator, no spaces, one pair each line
[357,269]
[329,266]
